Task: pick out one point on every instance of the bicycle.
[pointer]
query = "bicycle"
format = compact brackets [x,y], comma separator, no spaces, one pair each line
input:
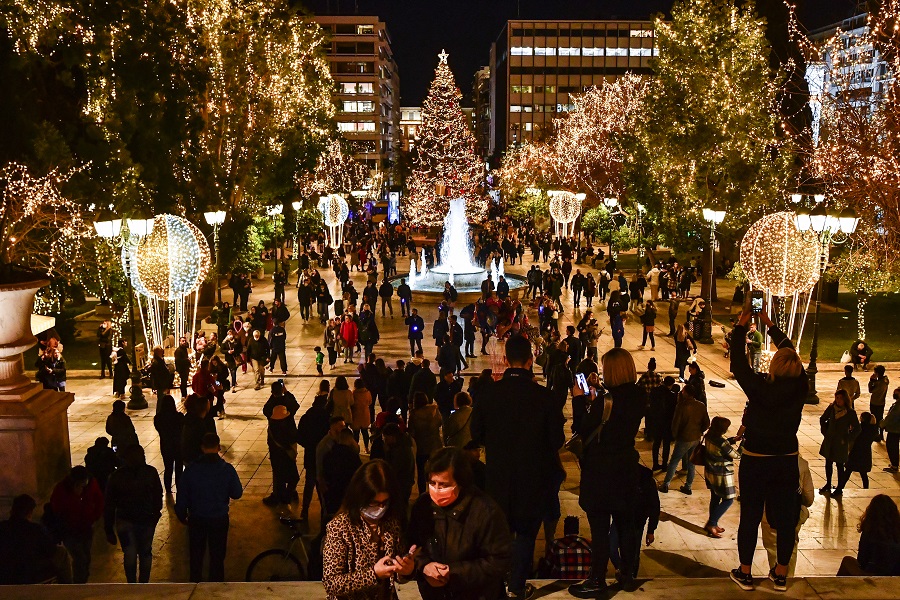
[281,564]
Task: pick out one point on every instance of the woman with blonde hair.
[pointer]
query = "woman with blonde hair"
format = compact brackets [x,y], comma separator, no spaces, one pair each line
[684,348]
[609,468]
[769,474]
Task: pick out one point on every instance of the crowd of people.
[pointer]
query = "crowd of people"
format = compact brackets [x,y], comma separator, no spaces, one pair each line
[393,456]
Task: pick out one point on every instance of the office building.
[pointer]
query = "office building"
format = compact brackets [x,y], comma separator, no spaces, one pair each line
[410,122]
[368,87]
[536,65]
[481,103]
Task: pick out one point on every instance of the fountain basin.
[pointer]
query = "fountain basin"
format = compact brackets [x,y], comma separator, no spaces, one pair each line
[430,288]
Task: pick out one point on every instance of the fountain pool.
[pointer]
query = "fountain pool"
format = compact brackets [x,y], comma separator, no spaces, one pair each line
[456,264]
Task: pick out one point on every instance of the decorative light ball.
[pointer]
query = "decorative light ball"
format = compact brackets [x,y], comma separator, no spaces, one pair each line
[174,259]
[334,209]
[778,258]
[564,206]
[129,256]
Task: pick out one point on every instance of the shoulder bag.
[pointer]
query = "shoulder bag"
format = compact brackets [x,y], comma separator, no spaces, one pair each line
[576,445]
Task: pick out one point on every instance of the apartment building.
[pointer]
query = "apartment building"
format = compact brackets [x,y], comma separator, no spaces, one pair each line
[481,110]
[536,65]
[363,67]
[410,121]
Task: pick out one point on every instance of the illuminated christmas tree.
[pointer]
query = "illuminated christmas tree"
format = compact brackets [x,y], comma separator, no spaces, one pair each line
[445,155]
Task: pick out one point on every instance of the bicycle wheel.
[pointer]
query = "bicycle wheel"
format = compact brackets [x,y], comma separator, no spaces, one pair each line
[275,565]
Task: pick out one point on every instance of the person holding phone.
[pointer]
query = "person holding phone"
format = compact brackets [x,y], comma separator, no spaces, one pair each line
[462,534]
[362,552]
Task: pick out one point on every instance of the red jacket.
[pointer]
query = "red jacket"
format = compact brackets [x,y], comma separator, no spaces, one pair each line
[202,383]
[349,333]
[78,513]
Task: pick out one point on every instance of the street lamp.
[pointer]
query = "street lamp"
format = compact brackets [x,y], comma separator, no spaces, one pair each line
[273,211]
[641,209]
[297,205]
[216,218]
[610,204]
[824,224]
[112,231]
[714,217]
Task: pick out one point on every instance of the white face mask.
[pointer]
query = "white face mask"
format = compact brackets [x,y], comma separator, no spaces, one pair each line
[374,513]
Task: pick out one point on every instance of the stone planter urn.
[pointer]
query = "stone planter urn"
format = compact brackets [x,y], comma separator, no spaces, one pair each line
[34,425]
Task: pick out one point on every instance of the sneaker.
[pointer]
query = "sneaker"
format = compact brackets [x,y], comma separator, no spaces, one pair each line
[590,588]
[685,490]
[743,580]
[779,581]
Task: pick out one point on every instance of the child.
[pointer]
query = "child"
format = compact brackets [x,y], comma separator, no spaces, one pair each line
[320,360]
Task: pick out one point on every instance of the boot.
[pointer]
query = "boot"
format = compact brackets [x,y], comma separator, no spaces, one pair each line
[592,587]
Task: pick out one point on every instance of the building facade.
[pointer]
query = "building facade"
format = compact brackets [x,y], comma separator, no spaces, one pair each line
[536,65]
[410,122]
[481,110]
[368,87]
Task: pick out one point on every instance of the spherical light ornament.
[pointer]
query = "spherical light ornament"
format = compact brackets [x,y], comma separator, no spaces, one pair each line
[778,258]
[335,210]
[129,257]
[565,207]
[174,259]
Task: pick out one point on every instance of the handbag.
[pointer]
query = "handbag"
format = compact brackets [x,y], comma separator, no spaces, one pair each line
[576,445]
[698,454]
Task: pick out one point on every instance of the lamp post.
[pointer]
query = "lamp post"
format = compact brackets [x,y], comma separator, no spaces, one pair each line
[824,224]
[610,204]
[121,238]
[273,211]
[216,218]
[297,205]
[641,209]
[714,217]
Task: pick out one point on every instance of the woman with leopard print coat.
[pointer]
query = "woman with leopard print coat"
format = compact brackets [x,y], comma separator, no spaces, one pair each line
[362,549]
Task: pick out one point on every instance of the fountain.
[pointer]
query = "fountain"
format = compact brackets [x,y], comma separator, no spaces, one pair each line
[455,261]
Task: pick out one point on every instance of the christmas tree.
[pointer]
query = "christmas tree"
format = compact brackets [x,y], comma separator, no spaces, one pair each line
[445,155]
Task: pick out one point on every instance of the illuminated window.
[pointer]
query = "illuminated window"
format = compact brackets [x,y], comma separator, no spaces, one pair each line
[545,89]
[515,108]
[521,51]
[642,33]
[528,126]
[353,127]
[592,51]
[641,52]
[365,29]
[521,89]
[570,51]
[355,87]
[363,106]
[617,51]
[545,51]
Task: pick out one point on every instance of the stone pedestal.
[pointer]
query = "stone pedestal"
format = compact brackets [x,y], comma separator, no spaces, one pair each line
[34,423]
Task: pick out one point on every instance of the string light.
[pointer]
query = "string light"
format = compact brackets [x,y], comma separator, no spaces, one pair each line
[334,211]
[779,259]
[565,207]
[336,172]
[174,259]
[445,155]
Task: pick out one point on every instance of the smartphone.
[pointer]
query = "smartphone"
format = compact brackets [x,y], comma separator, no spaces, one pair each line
[756,301]
[582,383]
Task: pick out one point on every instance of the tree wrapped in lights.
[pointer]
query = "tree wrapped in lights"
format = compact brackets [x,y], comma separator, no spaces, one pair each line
[587,145]
[857,151]
[336,172]
[525,175]
[709,133]
[445,155]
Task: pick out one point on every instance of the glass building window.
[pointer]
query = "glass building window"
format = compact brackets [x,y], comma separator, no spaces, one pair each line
[521,89]
[363,106]
[570,51]
[545,51]
[592,51]
[641,52]
[617,51]
[365,29]
[521,51]
[515,108]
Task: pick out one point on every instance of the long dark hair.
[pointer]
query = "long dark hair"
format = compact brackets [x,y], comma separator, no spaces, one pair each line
[881,519]
[341,383]
[371,479]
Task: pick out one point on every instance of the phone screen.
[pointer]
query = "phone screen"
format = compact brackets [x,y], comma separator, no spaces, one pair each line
[756,303]
[582,383]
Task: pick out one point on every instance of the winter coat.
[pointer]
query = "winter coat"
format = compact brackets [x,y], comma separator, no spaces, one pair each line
[425,429]
[342,405]
[690,421]
[121,430]
[169,426]
[522,432]
[719,467]
[349,333]
[77,514]
[133,494]
[349,554]
[860,458]
[839,433]
[471,535]
[662,410]
[362,400]
[609,465]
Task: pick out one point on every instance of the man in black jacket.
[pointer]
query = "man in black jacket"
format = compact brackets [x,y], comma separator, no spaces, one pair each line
[405,294]
[312,427]
[416,326]
[133,506]
[183,365]
[522,433]
[282,441]
[258,353]
[278,347]
[385,292]
[574,348]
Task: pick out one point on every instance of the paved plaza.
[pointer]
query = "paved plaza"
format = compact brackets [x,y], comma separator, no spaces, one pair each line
[681,547]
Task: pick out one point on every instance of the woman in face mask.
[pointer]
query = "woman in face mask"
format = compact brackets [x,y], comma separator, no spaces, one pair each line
[461,533]
[362,549]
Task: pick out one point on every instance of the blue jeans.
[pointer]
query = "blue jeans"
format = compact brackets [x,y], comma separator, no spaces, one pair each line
[718,506]
[137,542]
[681,453]
[524,535]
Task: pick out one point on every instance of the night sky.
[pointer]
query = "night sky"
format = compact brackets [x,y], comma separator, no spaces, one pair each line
[419,29]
